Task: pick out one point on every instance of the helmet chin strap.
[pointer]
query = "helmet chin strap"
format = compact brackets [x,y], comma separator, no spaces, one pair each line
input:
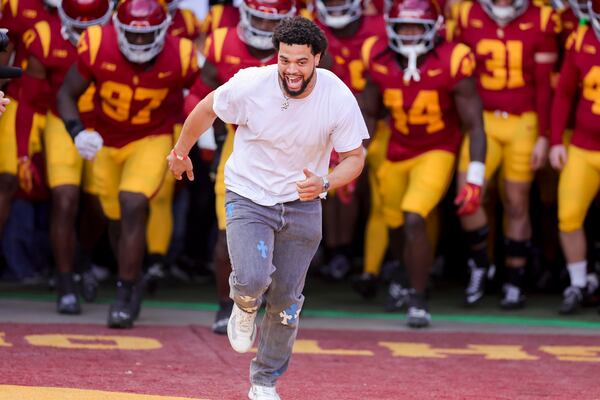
[412,52]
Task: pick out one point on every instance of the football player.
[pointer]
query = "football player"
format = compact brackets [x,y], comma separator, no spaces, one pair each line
[221,14]
[184,22]
[579,162]
[51,47]
[346,28]
[139,72]
[426,86]
[515,50]
[17,16]
[227,51]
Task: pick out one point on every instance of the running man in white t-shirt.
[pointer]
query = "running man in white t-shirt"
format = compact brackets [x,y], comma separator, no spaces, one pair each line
[289,118]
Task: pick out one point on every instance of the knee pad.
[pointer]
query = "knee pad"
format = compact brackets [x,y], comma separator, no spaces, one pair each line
[477,237]
[517,248]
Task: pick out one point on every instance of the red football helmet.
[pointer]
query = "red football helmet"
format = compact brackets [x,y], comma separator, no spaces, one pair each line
[415,12]
[504,14]
[258,19]
[140,18]
[594,15]
[76,15]
[340,13]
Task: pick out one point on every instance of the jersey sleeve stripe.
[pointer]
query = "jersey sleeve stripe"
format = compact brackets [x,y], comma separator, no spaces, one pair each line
[43,32]
[185,52]
[545,13]
[365,51]
[94,37]
[189,20]
[218,39]
[14,7]
[465,9]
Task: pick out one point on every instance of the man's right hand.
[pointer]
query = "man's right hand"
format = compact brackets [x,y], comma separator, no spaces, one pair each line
[88,143]
[178,164]
[558,156]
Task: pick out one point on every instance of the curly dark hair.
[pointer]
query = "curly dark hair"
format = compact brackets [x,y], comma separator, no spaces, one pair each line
[299,30]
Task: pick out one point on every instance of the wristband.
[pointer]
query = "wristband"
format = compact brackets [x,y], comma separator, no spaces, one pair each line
[177,156]
[74,126]
[325,184]
[476,173]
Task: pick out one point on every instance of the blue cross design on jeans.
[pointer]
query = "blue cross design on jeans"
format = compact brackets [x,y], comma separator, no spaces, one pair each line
[229,209]
[262,248]
[290,316]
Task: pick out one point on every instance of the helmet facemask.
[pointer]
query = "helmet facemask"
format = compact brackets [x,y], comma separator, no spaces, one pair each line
[338,16]
[412,46]
[504,14]
[255,37]
[72,28]
[141,53]
[580,9]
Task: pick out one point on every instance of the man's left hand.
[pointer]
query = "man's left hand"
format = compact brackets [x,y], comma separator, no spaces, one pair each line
[311,187]
[539,155]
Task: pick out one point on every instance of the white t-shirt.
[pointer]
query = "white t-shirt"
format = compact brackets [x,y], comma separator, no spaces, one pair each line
[272,144]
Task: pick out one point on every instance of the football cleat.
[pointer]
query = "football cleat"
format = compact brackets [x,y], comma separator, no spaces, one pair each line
[396,298]
[120,316]
[89,286]
[572,299]
[418,314]
[68,304]
[366,285]
[475,290]
[513,297]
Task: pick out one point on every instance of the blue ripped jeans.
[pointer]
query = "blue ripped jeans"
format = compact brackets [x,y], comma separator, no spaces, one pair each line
[270,250]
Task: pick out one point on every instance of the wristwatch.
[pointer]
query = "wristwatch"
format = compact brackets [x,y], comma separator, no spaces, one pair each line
[325,184]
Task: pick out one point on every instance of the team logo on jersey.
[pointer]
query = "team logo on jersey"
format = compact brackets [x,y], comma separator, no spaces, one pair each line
[589,49]
[525,26]
[108,66]
[476,23]
[164,74]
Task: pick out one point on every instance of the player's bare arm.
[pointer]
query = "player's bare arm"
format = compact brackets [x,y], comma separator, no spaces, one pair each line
[72,88]
[470,110]
[199,120]
[349,168]
[369,102]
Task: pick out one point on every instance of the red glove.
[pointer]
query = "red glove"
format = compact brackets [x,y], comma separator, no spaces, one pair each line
[469,199]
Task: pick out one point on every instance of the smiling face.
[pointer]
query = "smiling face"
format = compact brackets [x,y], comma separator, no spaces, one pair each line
[296,66]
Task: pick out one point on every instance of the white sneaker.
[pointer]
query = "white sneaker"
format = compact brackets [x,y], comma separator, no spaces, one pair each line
[241,330]
[263,393]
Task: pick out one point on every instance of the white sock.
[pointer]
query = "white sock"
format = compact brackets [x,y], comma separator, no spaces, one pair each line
[578,273]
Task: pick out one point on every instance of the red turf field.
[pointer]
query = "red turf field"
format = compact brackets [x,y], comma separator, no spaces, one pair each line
[192,362]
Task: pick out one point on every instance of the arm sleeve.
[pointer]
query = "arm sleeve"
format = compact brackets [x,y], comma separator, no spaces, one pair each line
[350,129]
[547,49]
[568,82]
[229,104]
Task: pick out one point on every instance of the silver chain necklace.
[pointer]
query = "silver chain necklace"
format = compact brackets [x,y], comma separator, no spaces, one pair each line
[286,103]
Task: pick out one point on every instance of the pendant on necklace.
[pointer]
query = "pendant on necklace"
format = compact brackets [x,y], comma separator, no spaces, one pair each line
[285,104]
